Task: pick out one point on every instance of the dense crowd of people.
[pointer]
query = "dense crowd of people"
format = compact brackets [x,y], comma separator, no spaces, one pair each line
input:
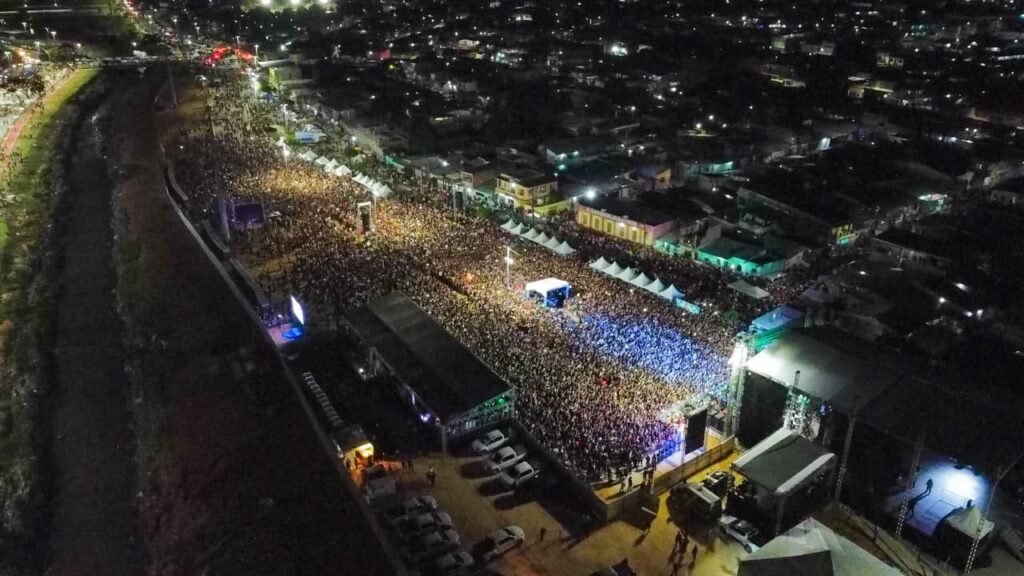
[594,381]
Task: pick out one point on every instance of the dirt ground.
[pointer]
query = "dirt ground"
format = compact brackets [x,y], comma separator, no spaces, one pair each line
[93,526]
[233,479]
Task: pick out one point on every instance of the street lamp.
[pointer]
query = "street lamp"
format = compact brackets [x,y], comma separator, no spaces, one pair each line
[257,53]
[508,266]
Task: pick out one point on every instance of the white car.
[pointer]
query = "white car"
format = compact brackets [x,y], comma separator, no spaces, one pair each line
[501,542]
[432,544]
[409,508]
[503,458]
[454,561]
[489,442]
[518,475]
[739,530]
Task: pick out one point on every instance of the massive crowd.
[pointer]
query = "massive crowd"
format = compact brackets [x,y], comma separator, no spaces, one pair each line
[593,381]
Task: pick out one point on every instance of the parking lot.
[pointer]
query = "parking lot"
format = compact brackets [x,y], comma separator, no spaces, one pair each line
[478,506]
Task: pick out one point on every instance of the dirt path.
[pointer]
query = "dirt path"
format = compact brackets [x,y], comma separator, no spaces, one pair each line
[94,528]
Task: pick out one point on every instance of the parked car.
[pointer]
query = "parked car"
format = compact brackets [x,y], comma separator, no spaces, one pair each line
[500,542]
[409,508]
[432,544]
[503,458]
[739,530]
[423,523]
[453,562]
[489,442]
[518,475]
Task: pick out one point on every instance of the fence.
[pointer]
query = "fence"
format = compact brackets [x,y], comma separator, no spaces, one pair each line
[693,465]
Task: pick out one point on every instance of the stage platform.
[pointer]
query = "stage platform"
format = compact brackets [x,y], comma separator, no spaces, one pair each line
[284,334]
[952,487]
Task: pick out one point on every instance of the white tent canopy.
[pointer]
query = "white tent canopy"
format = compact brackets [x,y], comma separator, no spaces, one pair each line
[613,270]
[531,234]
[552,243]
[813,548]
[508,225]
[670,293]
[748,289]
[600,264]
[323,160]
[308,156]
[641,281]
[627,275]
[657,286]
[342,171]
[541,238]
[330,166]
[546,285]
[564,249]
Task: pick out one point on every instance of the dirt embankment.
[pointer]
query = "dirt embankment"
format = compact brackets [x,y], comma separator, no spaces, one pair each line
[232,479]
[93,527]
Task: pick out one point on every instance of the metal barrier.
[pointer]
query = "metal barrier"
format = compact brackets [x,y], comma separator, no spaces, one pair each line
[693,465]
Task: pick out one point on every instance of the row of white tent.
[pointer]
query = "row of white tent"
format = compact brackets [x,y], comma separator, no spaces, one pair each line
[376,188]
[533,235]
[636,278]
[332,166]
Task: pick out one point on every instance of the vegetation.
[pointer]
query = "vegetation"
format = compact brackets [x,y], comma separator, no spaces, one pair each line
[32,193]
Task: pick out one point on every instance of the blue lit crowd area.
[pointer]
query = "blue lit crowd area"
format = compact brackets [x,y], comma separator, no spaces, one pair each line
[647,344]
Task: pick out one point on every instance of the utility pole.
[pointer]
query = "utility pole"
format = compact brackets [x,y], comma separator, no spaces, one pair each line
[846,456]
[905,506]
[508,266]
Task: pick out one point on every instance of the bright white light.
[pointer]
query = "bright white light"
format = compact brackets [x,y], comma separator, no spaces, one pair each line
[296,2]
[265,2]
[942,300]
[297,311]
[590,194]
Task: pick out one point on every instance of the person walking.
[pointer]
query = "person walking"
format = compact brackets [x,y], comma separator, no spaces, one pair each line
[678,543]
[693,557]
[432,475]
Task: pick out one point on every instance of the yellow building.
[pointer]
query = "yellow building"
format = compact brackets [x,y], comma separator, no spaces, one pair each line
[527,188]
[624,220]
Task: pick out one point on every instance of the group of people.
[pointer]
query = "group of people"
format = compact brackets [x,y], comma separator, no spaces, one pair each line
[592,380]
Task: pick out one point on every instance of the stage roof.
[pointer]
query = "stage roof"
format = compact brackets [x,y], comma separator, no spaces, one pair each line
[954,422]
[783,462]
[446,376]
[846,380]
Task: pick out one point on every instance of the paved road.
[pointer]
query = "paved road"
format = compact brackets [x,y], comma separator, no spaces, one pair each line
[94,529]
